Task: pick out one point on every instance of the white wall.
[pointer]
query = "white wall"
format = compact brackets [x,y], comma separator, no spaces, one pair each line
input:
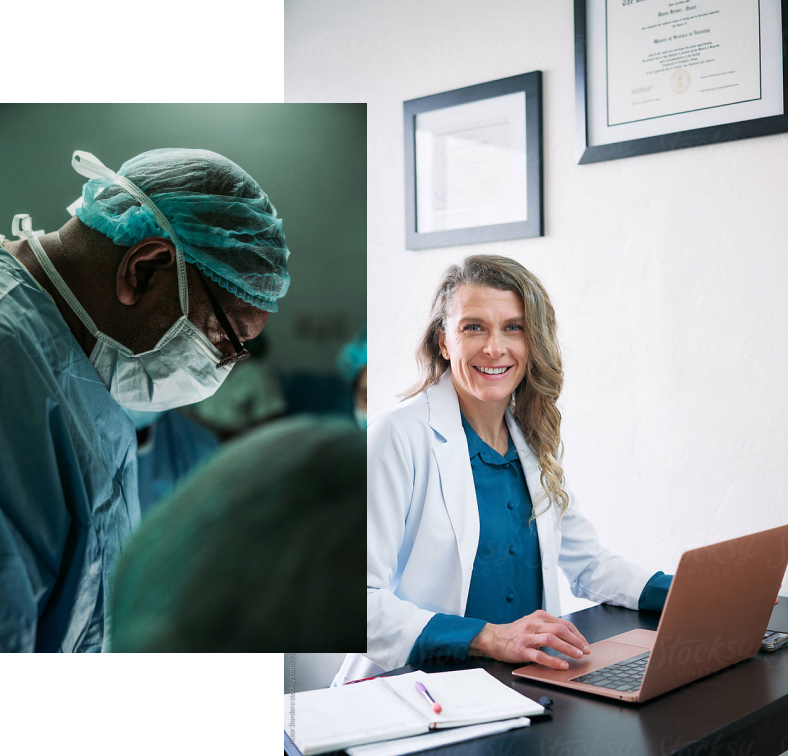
[666,271]
[310,671]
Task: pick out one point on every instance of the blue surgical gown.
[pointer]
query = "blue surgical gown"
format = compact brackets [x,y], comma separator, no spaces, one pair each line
[68,477]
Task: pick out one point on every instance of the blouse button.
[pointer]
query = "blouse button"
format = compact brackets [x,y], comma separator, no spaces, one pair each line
[510,597]
[510,504]
[512,550]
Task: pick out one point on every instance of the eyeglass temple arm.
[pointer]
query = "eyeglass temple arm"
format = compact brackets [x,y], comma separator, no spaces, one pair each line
[220,316]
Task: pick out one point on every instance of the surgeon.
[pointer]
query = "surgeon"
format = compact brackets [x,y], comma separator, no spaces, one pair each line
[140,302]
[352,366]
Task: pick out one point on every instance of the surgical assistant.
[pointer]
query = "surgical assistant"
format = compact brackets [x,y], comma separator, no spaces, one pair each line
[96,318]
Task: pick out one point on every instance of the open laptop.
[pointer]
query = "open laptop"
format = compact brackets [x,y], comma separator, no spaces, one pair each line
[717,610]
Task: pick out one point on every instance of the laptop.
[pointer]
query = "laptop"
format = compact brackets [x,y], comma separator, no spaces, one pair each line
[715,615]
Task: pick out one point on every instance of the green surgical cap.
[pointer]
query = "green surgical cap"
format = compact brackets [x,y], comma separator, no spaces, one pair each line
[225,223]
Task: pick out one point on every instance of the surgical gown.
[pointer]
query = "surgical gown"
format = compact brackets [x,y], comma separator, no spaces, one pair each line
[68,478]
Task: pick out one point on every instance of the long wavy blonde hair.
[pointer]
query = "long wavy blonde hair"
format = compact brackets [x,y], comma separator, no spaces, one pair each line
[534,400]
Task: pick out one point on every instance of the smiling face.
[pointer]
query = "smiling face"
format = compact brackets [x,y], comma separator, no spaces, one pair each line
[485,342]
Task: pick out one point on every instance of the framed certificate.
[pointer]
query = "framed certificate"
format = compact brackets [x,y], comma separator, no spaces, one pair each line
[657,75]
[473,164]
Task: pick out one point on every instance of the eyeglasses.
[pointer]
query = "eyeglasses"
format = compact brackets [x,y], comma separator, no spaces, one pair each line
[240,352]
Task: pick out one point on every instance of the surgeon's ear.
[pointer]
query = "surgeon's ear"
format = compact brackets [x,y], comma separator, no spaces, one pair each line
[142,267]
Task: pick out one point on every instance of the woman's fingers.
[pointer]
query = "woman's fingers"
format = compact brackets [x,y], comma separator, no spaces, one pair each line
[542,629]
[540,657]
[567,632]
[576,633]
[549,619]
[553,641]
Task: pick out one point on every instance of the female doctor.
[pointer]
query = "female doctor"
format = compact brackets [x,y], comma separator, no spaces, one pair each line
[467,515]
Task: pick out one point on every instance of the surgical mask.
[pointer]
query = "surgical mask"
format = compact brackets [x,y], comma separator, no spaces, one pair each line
[181,369]
[361,417]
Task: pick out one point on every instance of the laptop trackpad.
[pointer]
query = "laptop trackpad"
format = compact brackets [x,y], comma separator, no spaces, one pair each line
[608,651]
[641,638]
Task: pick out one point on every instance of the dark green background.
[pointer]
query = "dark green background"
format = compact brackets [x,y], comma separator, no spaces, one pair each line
[309,158]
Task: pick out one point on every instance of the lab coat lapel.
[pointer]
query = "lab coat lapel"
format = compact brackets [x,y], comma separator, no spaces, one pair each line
[454,466]
[545,528]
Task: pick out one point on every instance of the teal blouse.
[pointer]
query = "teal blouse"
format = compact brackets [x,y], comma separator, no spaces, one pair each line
[506,583]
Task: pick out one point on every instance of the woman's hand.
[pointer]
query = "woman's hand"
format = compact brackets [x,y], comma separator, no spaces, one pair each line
[520,641]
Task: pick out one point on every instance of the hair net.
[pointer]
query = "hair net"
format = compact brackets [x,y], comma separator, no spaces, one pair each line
[353,357]
[226,224]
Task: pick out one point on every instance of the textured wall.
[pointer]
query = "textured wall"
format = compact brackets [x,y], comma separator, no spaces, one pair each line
[667,272]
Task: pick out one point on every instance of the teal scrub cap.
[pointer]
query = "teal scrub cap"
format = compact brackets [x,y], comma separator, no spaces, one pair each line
[225,223]
[353,357]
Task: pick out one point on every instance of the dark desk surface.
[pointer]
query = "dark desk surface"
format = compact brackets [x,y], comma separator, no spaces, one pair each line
[740,711]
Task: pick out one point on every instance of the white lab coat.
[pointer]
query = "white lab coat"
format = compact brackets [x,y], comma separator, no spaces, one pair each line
[423,531]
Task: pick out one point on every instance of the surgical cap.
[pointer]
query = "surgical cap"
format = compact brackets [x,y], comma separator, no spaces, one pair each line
[224,221]
[353,357]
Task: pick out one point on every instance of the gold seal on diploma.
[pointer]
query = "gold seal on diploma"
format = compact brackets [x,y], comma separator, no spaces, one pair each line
[680,81]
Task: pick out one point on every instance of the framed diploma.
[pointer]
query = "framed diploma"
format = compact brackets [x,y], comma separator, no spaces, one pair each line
[657,75]
[473,164]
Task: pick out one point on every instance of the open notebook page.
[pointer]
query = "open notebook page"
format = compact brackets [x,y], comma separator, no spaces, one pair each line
[467,696]
[327,720]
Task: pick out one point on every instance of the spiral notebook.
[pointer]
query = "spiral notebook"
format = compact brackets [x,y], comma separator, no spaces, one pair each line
[319,721]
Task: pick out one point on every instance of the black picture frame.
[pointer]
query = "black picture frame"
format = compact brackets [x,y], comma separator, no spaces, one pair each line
[531,85]
[727,132]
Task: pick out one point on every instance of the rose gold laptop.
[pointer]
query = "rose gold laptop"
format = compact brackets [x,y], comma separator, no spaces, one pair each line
[716,613]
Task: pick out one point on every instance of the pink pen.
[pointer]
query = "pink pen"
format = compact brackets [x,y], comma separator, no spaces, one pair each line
[436,707]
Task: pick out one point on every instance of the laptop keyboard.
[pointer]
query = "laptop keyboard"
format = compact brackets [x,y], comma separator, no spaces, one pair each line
[625,675]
